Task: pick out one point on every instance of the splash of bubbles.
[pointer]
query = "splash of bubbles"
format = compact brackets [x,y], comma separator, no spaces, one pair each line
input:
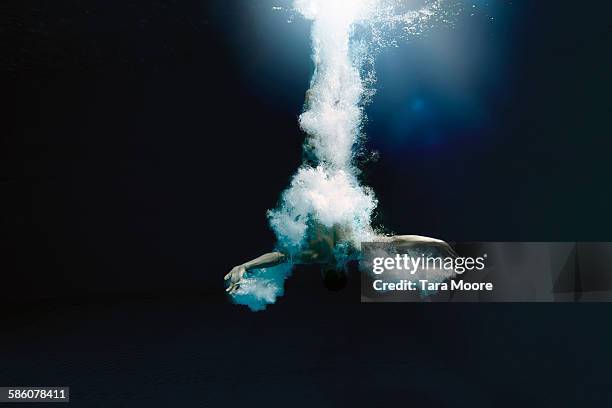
[262,287]
[328,195]
[326,188]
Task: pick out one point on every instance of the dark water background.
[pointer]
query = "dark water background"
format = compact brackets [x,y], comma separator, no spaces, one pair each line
[146,140]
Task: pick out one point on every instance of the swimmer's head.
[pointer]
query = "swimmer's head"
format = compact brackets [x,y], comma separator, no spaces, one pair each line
[333,278]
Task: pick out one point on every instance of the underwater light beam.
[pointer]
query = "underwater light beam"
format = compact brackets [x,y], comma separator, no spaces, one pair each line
[326,188]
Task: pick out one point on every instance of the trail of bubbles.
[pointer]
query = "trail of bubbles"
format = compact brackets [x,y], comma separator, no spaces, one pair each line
[326,188]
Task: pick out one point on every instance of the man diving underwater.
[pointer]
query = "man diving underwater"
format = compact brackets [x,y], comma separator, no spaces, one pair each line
[319,250]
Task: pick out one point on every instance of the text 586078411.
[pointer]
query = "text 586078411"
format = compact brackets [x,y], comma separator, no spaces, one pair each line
[34,394]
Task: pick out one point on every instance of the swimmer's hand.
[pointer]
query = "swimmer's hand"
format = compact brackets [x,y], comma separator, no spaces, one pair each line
[235,277]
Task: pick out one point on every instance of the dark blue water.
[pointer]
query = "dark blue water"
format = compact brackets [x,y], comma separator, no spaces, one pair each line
[195,350]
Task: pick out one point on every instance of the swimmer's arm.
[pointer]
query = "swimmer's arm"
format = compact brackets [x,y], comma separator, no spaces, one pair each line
[306,257]
[265,261]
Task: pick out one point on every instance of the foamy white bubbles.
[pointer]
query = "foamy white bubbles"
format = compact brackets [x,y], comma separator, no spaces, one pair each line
[262,287]
[326,189]
[332,116]
[328,196]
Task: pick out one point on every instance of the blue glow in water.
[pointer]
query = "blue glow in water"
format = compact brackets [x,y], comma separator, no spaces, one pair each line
[262,287]
[417,105]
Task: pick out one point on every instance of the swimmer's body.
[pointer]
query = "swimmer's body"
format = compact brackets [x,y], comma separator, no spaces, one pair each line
[320,251]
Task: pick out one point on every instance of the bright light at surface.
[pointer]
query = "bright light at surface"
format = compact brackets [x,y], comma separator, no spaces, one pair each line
[343,11]
[326,190]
